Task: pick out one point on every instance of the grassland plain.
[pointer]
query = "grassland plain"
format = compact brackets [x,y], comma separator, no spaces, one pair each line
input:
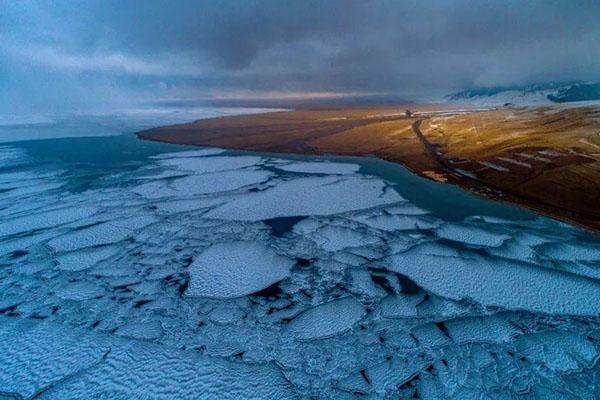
[544,158]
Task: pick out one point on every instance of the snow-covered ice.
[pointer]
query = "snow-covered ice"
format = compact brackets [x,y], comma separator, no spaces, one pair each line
[490,329]
[500,283]
[236,269]
[401,306]
[328,168]
[208,274]
[84,259]
[202,165]
[48,219]
[219,181]
[80,291]
[308,196]
[101,234]
[335,238]
[471,235]
[51,361]
[325,320]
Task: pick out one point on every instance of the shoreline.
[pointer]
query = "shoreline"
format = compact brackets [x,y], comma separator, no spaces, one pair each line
[419,165]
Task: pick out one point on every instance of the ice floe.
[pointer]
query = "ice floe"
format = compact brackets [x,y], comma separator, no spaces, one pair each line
[236,269]
[101,234]
[61,363]
[202,184]
[84,259]
[49,219]
[392,223]
[219,181]
[471,235]
[202,165]
[325,320]
[568,251]
[335,238]
[328,168]
[79,291]
[490,329]
[401,306]
[511,285]
[308,196]
[207,274]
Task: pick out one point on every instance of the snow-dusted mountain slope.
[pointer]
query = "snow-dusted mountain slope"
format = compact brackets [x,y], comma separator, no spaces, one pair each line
[536,94]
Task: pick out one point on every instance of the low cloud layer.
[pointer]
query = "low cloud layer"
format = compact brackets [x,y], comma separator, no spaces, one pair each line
[69,56]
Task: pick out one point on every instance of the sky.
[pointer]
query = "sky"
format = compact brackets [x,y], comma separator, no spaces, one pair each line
[81,56]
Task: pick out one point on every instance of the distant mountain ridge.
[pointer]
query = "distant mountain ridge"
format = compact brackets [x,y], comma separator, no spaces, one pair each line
[540,93]
[577,92]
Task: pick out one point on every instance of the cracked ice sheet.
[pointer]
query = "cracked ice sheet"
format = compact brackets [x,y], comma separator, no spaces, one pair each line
[80,291]
[196,204]
[60,362]
[335,238]
[308,196]
[571,251]
[393,223]
[219,181]
[481,329]
[471,235]
[558,351]
[385,376]
[400,306]
[202,184]
[202,165]
[235,269]
[136,294]
[48,219]
[101,234]
[326,320]
[496,282]
[84,259]
[329,168]
[30,191]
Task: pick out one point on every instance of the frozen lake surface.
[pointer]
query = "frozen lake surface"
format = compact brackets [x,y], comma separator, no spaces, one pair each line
[132,269]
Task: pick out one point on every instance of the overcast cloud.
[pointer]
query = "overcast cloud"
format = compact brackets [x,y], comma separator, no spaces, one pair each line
[88,55]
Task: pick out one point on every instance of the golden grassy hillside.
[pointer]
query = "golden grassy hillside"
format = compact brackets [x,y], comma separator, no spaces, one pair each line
[549,155]
[544,158]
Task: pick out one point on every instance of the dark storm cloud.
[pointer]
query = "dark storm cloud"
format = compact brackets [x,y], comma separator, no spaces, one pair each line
[215,48]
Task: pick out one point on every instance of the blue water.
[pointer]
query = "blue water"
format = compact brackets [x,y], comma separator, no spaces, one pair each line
[91,158]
